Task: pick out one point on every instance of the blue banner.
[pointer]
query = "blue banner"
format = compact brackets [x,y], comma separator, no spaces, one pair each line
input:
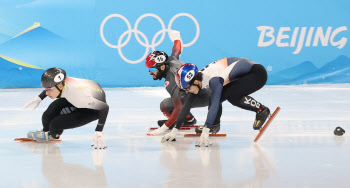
[299,42]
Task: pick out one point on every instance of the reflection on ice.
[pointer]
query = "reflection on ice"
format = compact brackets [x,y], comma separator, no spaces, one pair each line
[59,173]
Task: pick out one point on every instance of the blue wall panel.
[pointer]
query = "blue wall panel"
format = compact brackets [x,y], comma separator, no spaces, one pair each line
[299,42]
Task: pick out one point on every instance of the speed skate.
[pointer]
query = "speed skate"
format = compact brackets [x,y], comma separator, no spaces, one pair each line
[211,135]
[262,130]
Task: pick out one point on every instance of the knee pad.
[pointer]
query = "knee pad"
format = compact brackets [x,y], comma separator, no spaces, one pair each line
[166,108]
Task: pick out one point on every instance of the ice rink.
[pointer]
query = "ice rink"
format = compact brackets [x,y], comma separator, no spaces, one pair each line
[298,150]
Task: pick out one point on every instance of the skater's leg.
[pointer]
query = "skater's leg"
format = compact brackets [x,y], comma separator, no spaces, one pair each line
[245,85]
[237,93]
[80,117]
[55,109]
[167,107]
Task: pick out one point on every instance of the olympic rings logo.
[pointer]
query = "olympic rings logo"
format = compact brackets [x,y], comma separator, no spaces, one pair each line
[146,44]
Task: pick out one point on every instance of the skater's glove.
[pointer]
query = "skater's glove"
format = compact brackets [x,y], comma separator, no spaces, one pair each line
[204,139]
[97,141]
[35,102]
[158,131]
[170,136]
[175,35]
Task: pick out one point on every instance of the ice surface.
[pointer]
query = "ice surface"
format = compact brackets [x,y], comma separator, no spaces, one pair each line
[299,148]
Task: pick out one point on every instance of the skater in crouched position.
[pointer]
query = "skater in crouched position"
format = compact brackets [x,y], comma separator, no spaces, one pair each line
[160,66]
[232,79]
[78,103]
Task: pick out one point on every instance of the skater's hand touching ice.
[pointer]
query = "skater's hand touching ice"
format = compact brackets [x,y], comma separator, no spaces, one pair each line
[97,141]
[35,102]
[170,136]
[204,139]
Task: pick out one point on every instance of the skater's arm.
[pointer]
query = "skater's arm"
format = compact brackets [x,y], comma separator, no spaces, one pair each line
[42,95]
[184,110]
[95,104]
[177,48]
[36,101]
[103,109]
[102,118]
[216,86]
[176,99]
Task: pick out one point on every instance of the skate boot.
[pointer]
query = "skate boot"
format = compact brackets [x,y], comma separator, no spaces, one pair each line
[31,133]
[190,120]
[214,129]
[261,115]
[161,122]
[42,136]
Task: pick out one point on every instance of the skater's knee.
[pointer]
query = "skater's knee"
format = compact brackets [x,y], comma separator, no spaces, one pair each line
[166,107]
[45,118]
[45,115]
[166,113]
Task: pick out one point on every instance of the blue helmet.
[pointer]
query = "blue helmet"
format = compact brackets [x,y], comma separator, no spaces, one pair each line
[185,74]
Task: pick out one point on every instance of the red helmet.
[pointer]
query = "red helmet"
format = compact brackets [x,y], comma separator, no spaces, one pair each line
[156,58]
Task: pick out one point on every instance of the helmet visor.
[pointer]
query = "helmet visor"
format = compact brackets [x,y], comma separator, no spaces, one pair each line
[49,89]
[152,69]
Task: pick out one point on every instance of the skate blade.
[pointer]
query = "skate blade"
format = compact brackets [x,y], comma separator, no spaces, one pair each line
[264,127]
[211,135]
[181,128]
[32,140]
